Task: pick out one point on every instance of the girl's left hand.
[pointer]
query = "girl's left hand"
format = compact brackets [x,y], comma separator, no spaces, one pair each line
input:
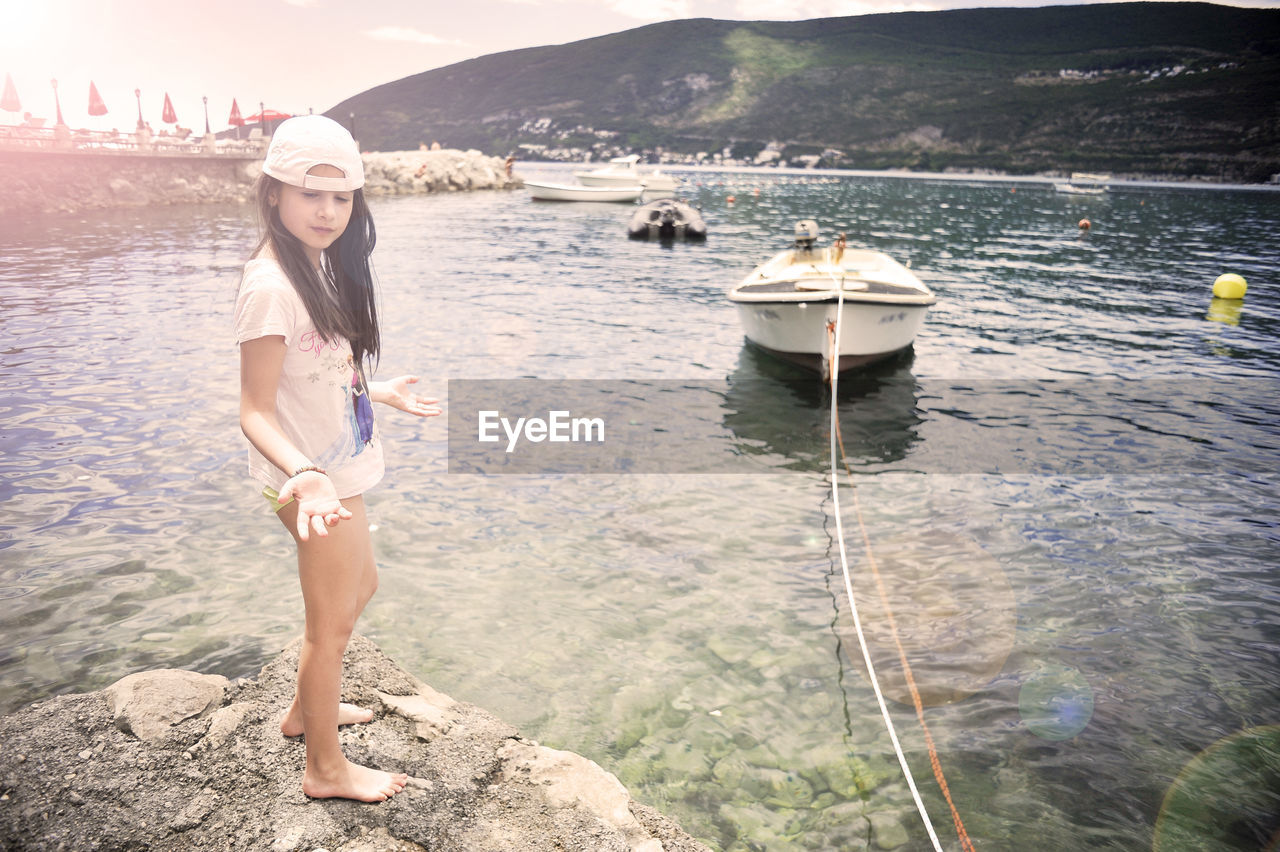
[318,503]
[396,394]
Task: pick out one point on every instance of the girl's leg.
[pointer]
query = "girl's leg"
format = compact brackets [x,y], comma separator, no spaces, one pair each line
[368,573]
[348,714]
[335,575]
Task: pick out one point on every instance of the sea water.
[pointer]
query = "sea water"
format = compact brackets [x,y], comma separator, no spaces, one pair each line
[1067,493]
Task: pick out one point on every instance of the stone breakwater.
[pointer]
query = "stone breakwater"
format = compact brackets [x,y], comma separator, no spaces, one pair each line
[446,170]
[176,760]
[46,181]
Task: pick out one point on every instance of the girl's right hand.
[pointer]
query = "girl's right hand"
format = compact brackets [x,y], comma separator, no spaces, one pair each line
[318,505]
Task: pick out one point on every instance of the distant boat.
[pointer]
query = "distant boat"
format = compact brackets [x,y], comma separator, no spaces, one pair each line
[1084,183]
[624,171]
[569,192]
[657,183]
[788,304]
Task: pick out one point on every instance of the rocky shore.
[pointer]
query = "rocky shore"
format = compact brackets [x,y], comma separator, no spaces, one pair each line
[48,181]
[176,760]
[441,170]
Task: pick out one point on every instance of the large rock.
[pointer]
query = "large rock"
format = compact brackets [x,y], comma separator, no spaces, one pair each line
[441,170]
[149,704]
[178,761]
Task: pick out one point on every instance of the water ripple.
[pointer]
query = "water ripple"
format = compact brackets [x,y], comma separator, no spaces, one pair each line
[613,615]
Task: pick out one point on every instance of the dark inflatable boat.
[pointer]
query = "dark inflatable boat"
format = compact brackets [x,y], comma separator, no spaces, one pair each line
[667,219]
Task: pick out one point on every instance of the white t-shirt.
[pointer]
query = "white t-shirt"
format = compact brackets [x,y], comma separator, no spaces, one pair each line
[322,404]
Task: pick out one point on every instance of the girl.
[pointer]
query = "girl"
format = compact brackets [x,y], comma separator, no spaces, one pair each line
[307,322]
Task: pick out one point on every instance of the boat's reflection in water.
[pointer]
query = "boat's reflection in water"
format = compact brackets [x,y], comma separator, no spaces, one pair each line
[774,408]
[948,600]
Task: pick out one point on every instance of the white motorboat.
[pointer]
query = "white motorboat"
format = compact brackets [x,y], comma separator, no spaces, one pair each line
[788,304]
[657,183]
[569,192]
[621,171]
[624,171]
[1084,183]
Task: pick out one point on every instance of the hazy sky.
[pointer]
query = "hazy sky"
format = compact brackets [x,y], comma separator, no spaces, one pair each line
[296,55]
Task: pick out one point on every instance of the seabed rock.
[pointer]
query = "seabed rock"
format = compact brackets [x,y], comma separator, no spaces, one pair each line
[174,760]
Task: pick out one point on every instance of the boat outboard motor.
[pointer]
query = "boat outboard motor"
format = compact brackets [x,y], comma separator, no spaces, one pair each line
[667,224]
[806,236]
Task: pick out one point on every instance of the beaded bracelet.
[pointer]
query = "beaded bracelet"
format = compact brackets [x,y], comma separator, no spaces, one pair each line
[306,467]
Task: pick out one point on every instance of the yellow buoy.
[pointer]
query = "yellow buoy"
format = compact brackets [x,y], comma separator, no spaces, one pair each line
[1225,311]
[1229,286]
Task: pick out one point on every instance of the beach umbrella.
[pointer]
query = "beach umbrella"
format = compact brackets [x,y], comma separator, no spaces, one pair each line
[10,102]
[168,116]
[96,106]
[264,115]
[267,115]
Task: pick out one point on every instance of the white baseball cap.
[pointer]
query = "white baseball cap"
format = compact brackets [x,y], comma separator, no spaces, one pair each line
[306,141]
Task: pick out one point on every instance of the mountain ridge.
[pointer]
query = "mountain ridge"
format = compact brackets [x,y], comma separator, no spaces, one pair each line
[1156,89]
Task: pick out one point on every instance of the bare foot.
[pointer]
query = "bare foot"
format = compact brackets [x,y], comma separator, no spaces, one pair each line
[354,782]
[348,714]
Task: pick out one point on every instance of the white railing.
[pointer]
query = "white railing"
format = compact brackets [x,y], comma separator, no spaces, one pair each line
[64,139]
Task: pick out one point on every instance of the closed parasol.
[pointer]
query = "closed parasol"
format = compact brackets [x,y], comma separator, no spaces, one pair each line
[236,120]
[168,116]
[96,106]
[10,102]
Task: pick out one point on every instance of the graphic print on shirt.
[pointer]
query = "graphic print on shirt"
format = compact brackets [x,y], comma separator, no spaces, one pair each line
[357,431]
[361,410]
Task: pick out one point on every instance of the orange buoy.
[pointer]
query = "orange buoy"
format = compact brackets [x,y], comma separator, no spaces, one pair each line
[730,199]
[1085,224]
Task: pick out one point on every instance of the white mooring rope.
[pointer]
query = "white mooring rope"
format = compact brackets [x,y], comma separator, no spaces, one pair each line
[848,583]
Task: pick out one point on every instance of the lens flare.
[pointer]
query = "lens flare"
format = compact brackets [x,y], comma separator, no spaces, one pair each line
[1056,703]
[1226,797]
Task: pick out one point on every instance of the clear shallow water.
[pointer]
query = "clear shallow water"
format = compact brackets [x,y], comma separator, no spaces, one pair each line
[1087,643]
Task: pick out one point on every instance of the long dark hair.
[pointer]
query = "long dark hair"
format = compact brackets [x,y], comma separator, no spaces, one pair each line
[344,269]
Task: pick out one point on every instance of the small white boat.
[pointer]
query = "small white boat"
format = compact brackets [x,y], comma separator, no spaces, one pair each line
[1084,183]
[569,192]
[624,171]
[788,304]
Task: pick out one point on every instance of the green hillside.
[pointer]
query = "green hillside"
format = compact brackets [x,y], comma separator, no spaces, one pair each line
[1161,89]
